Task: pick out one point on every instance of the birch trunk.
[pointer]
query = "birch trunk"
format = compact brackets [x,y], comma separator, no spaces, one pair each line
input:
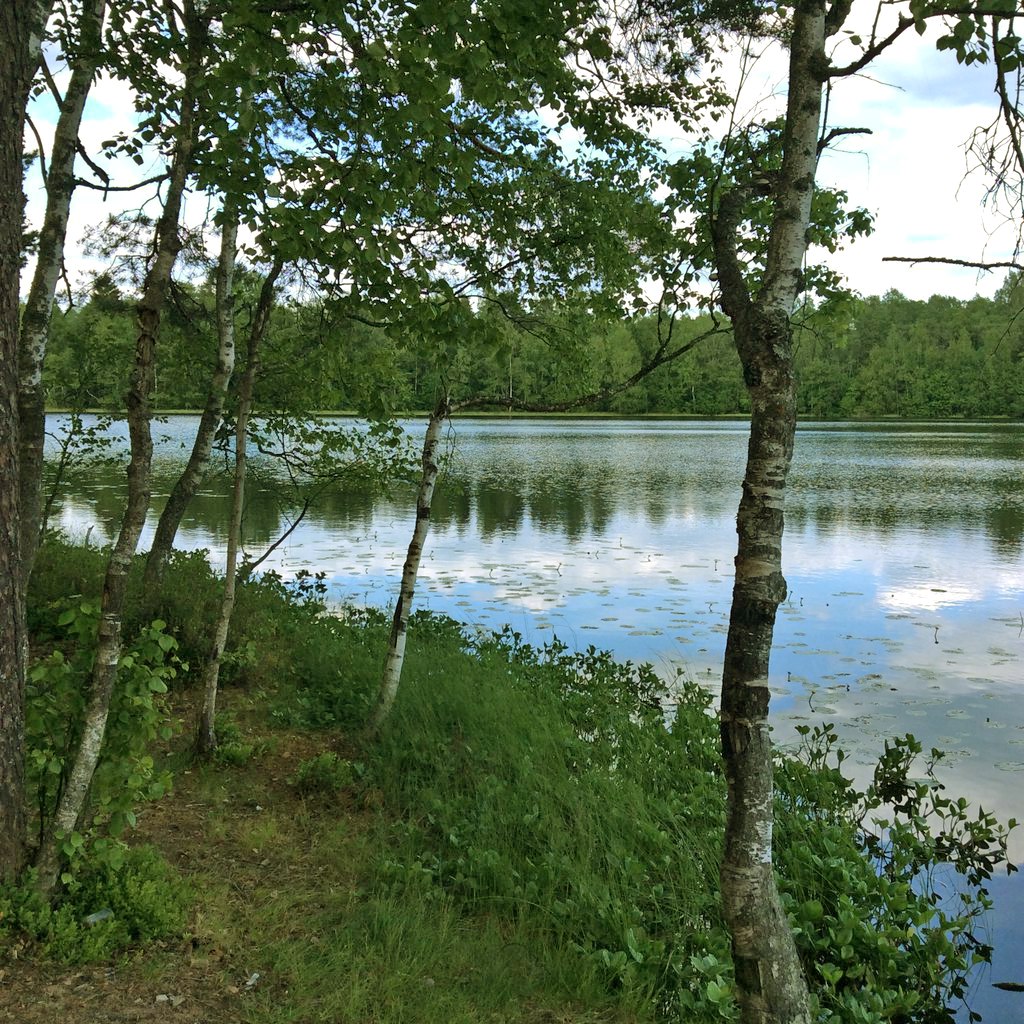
[391,676]
[108,647]
[21,26]
[206,735]
[771,988]
[192,476]
[35,321]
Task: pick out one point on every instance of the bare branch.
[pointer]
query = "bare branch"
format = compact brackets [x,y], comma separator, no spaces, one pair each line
[660,358]
[872,51]
[122,188]
[950,261]
[246,571]
[39,142]
[50,83]
[93,166]
[836,133]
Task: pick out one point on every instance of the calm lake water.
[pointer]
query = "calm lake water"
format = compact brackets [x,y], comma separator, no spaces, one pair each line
[904,553]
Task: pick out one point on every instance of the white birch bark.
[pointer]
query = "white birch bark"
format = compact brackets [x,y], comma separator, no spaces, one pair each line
[191,478]
[108,648]
[206,735]
[35,320]
[391,676]
[771,988]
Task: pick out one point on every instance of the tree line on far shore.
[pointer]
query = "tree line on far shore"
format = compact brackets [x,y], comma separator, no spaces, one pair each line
[863,357]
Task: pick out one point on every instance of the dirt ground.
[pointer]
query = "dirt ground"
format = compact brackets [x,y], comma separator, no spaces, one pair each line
[191,981]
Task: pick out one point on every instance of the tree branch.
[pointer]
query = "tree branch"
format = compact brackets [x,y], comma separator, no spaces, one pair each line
[874,50]
[94,167]
[39,142]
[660,358]
[836,133]
[50,83]
[122,188]
[950,261]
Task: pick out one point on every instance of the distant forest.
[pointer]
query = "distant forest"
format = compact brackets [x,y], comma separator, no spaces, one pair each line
[863,357]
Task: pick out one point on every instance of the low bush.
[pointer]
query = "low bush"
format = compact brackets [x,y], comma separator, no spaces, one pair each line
[586,797]
[325,774]
[125,896]
[55,698]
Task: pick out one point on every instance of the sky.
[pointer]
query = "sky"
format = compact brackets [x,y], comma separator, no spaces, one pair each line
[920,105]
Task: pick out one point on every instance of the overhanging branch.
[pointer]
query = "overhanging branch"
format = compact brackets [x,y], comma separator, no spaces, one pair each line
[953,262]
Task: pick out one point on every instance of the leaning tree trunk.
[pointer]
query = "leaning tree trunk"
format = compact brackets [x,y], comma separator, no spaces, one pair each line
[192,476]
[391,677]
[35,321]
[770,984]
[21,25]
[206,735]
[108,647]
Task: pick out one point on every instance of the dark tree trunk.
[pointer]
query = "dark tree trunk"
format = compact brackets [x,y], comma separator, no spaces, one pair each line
[206,735]
[770,984]
[108,649]
[35,322]
[21,26]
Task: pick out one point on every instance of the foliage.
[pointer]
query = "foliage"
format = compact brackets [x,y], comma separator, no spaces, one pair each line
[331,670]
[80,443]
[886,886]
[113,902]
[55,705]
[234,747]
[855,357]
[557,787]
[544,784]
[324,774]
[580,801]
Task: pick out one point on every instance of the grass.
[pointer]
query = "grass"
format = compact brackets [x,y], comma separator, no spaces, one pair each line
[529,840]
[292,892]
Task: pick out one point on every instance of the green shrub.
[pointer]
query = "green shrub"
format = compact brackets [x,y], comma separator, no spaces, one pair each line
[557,788]
[332,670]
[327,773]
[56,692]
[114,901]
[234,748]
[885,887]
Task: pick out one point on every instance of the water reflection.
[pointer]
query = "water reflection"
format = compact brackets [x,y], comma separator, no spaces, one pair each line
[903,554]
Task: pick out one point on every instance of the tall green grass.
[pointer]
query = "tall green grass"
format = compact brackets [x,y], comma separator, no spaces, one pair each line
[547,786]
[554,802]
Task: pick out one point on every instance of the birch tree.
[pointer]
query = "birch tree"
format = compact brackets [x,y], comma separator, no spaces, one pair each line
[165,250]
[759,212]
[191,477]
[206,737]
[35,320]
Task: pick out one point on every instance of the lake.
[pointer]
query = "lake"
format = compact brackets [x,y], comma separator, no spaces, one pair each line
[904,554]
